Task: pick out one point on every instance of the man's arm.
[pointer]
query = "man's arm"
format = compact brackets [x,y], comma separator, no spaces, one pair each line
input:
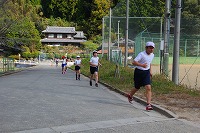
[99,64]
[91,64]
[135,63]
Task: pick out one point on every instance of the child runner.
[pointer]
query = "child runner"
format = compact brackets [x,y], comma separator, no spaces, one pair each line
[56,62]
[67,60]
[143,74]
[77,67]
[94,63]
[64,65]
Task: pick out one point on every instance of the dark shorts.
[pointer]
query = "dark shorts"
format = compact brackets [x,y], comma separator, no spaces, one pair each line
[64,65]
[77,68]
[93,69]
[141,78]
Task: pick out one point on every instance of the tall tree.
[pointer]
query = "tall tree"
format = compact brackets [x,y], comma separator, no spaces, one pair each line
[100,8]
[190,22]
[60,8]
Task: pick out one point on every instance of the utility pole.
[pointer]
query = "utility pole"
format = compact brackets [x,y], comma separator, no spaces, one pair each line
[102,49]
[118,34]
[166,37]
[175,68]
[126,39]
[109,42]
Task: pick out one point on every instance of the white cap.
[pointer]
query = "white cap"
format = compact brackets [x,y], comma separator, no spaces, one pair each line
[77,56]
[150,44]
[94,51]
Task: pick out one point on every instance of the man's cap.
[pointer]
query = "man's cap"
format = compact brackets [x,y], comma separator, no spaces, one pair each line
[77,56]
[94,51]
[148,44]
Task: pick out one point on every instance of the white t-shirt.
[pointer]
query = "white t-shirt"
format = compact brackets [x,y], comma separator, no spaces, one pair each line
[94,60]
[143,58]
[64,61]
[77,62]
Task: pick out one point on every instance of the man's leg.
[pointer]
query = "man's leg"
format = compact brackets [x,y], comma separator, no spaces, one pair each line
[148,96]
[133,91]
[148,93]
[91,77]
[79,74]
[130,95]
[96,79]
[76,75]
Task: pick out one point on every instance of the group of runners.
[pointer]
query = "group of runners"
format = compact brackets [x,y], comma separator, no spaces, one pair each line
[94,63]
[142,72]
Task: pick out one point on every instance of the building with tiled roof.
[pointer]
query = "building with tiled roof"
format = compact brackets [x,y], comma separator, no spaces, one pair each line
[56,36]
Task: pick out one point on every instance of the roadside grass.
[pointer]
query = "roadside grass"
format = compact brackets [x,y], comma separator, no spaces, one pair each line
[160,84]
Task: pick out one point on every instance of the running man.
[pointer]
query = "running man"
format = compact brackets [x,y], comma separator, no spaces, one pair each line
[77,64]
[94,63]
[143,74]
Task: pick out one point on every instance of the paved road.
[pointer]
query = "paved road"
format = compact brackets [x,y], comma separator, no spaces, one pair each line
[42,100]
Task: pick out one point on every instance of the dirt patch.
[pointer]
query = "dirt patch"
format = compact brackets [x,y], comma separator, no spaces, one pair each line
[189,75]
[183,105]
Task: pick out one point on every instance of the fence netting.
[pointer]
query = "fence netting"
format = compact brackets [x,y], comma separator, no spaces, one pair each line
[143,29]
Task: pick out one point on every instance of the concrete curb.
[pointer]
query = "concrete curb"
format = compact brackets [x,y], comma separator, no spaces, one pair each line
[157,108]
[10,72]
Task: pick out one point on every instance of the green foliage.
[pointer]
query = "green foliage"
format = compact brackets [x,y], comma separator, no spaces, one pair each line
[16,57]
[140,8]
[97,39]
[89,45]
[24,32]
[191,9]
[60,8]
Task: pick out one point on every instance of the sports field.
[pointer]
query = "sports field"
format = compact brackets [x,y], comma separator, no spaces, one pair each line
[189,70]
[182,60]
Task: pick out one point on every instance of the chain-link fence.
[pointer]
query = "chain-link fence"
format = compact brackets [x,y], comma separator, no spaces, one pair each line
[143,29]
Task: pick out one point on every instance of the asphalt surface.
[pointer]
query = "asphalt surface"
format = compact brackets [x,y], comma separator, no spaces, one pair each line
[42,100]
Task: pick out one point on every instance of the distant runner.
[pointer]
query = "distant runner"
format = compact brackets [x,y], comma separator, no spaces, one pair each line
[64,63]
[77,63]
[94,63]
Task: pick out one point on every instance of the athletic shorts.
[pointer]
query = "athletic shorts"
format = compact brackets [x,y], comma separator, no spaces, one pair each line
[77,68]
[64,65]
[93,69]
[141,78]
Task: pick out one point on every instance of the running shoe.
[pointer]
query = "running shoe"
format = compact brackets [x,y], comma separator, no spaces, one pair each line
[149,107]
[90,83]
[130,99]
[96,85]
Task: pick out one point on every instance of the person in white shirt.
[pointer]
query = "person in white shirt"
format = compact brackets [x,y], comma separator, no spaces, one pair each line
[64,63]
[143,74]
[77,64]
[94,63]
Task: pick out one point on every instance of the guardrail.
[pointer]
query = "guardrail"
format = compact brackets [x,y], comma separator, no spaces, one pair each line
[6,64]
[9,64]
